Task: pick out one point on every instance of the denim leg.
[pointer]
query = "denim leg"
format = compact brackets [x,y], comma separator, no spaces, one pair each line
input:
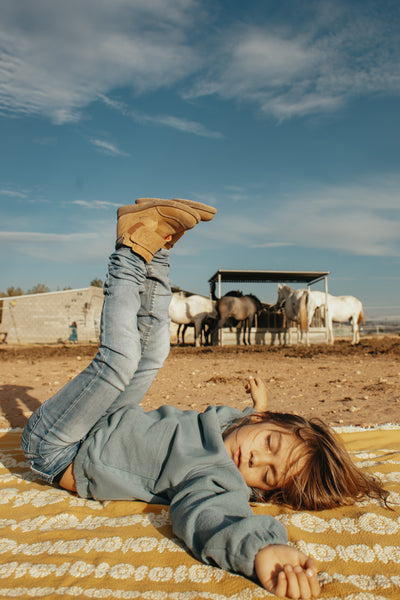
[154,328]
[55,431]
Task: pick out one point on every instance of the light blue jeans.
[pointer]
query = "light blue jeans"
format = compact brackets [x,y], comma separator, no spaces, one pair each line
[134,342]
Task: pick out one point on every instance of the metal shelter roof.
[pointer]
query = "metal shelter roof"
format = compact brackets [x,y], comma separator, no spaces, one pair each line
[230,275]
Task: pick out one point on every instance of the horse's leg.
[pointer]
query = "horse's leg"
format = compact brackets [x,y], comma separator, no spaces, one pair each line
[209,326]
[219,323]
[178,332]
[183,333]
[202,332]
[242,330]
[238,332]
[330,329]
[197,332]
[354,322]
[358,329]
[205,332]
[249,321]
[310,314]
[308,326]
[246,330]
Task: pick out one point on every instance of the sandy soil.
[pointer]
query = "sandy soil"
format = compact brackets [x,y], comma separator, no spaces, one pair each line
[344,385]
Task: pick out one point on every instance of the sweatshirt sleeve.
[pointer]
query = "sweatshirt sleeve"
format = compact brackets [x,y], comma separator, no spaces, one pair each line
[217,524]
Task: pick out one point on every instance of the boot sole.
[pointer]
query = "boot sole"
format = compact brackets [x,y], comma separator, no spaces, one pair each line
[154,203]
[205,211]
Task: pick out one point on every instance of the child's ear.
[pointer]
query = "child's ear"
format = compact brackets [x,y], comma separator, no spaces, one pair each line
[256,418]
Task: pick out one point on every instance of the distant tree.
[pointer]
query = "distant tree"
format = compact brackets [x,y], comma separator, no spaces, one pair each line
[67,287]
[12,291]
[97,282]
[39,288]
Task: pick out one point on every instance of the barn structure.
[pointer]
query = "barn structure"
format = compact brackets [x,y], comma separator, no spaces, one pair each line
[273,330]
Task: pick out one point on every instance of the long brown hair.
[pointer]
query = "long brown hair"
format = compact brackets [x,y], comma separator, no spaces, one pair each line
[328,479]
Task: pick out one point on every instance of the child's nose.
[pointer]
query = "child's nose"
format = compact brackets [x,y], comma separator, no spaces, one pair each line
[258,459]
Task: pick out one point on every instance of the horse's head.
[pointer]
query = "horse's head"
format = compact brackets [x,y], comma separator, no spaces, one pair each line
[281,295]
[284,291]
[269,308]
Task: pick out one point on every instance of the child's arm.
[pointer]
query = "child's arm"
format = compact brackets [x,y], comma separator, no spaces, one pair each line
[287,572]
[256,388]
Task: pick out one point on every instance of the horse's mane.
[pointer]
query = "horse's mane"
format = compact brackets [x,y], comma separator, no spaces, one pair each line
[236,293]
[254,297]
[256,300]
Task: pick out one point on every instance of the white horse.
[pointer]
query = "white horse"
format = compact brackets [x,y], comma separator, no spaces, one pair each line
[185,310]
[294,302]
[339,309]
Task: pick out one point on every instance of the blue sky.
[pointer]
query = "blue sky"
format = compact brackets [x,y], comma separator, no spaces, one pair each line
[284,115]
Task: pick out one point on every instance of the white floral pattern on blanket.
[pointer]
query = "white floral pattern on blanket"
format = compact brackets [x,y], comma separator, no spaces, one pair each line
[53,544]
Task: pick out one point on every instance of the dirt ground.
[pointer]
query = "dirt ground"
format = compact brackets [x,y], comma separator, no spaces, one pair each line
[342,384]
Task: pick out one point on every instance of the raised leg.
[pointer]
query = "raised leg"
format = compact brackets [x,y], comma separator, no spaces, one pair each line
[153,324]
[55,431]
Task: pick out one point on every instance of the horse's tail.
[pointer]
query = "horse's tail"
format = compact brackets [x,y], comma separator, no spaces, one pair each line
[212,291]
[361,318]
[216,308]
[303,320]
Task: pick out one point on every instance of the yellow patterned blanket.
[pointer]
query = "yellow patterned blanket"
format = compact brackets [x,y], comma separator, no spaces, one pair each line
[54,545]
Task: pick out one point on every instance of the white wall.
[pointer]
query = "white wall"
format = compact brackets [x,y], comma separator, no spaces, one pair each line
[46,318]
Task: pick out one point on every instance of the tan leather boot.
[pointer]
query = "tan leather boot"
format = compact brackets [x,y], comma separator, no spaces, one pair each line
[205,211]
[151,225]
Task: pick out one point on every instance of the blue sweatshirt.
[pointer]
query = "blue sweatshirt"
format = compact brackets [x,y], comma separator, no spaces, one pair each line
[175,457]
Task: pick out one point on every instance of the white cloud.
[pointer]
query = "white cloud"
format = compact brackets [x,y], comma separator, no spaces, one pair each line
[107,148]
[13,194]
[179,123]
[183,125]
[357,219]
[33,237]
[354,219]
[309,66]
[60,56]
[95,204]
[59,247]
[273,245]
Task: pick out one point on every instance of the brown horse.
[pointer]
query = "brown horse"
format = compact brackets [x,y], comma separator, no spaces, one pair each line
[239,309]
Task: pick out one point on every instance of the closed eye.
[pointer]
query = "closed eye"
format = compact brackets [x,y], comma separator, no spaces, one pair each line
[275,442]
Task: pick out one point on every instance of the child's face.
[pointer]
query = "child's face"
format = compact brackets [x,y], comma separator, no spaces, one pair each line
[265,454]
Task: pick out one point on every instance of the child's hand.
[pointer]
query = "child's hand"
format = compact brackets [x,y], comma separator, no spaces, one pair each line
[287,572]
[258,391]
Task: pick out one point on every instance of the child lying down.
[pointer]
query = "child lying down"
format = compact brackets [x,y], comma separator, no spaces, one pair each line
[93,438]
